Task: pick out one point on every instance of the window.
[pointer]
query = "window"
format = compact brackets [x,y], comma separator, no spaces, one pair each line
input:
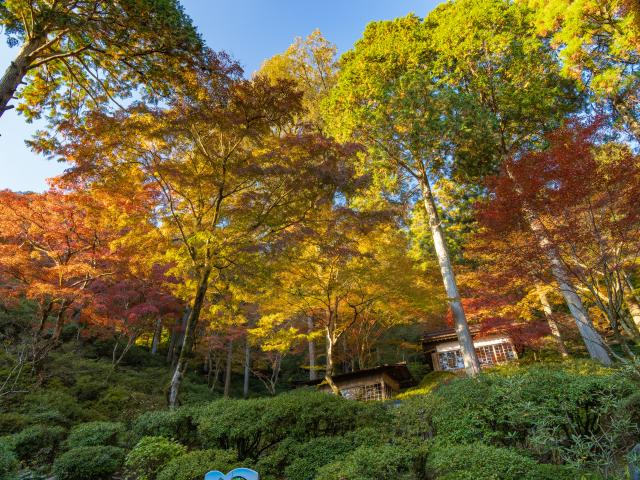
[451,360]
[487,355]
[367,393]
[504,352]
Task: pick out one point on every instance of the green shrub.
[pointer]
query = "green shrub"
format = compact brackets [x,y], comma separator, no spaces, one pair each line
[55,406]
[8,460]
[300,460]
[374,463]
[88,463]
[177,424]
[194,465]
[88,389]
[305,459]
[253,426]
[49,417]
[115,401]
[547,407]
[95,434]
[473,461]
[12,422]
[37,444]
[150,455]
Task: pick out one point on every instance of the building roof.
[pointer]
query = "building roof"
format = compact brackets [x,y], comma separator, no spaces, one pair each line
[398,371]
[447,334]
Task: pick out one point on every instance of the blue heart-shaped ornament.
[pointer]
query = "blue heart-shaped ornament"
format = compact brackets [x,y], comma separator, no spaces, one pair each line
[243,473]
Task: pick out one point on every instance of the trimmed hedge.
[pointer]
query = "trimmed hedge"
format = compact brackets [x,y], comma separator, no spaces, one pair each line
[194,465]
[150,455]
[95,434]
[88,463]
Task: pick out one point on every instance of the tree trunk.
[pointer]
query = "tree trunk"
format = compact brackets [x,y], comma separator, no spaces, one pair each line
[172,345]
[313,374]
[60,320]
[553,325]
[46,310]
[157,333]
[227,373]
[116,361]
[187,342]
[179,337]
[592,339]
[16,72]
[471,363]
[247,366]
[329,369]
[631,301]
[215,371]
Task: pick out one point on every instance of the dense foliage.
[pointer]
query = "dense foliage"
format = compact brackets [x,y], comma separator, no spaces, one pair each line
[540,421]
[219,235]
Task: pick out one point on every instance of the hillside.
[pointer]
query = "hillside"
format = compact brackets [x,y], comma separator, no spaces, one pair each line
[537,421]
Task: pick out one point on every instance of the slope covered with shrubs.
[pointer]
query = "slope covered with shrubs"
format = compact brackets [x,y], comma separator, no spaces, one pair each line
[539,422]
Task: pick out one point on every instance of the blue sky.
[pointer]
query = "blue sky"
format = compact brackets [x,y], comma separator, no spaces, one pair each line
[250,30]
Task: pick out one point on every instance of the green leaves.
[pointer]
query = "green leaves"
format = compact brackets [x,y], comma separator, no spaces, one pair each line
[94,54]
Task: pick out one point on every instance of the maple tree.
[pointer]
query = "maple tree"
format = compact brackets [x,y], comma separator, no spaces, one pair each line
[129,305]
[226,180]
[507,285]
[349,273]
[92,53]
[53,248]
[581,195]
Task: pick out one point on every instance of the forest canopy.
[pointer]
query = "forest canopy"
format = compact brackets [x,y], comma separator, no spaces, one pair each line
[235,235]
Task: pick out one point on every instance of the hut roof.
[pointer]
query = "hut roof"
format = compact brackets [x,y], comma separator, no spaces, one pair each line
[398,371]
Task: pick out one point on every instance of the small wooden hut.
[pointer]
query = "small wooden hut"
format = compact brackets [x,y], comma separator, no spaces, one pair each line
[372,384]
[442,349]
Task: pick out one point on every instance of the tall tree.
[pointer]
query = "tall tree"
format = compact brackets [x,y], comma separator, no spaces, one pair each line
[311,63]
[598,42]
[387,98]
[227,180]
[581,195]
[512,82]
[75,53]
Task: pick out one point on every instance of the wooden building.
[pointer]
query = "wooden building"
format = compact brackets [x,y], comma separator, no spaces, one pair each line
[443,350]
[378,383]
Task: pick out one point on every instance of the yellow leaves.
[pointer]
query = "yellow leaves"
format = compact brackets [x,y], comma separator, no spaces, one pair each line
[272,333]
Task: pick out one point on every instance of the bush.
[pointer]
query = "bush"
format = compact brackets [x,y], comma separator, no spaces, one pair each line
[374,463]
[429,383]
[115,399]
[88,389]
[8,460]
[55,406]
[12,422]
[253,426]
[95,434]
[150,455]
[194,465]
[473,461]
[550,408]
[37,444]
[88,463]
[307,458]
[177,424]
[301,460]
